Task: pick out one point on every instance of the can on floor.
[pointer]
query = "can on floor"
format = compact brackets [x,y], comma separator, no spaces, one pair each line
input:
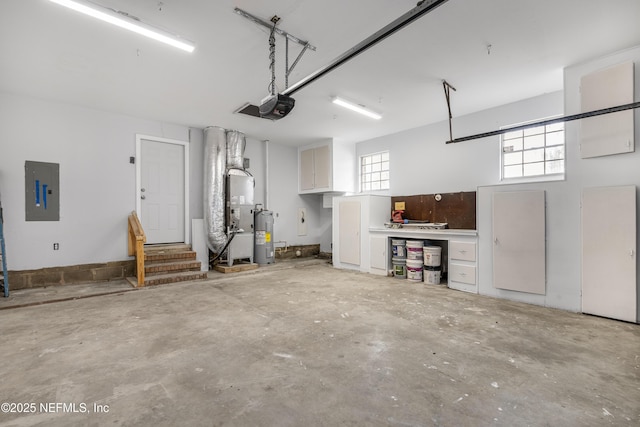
[432,275]
[399,268]
[414,270]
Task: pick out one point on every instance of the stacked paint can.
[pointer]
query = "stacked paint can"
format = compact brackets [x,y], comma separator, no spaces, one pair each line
[414,260]
[399,259]
[432,261]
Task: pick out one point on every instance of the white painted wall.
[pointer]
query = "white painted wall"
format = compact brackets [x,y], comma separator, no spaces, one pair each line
[563,199]
[421,162]
[283,198]
[97,182]
[284,201]
[196,170]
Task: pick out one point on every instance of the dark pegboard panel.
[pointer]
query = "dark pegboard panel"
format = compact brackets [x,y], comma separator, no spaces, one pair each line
[458,210]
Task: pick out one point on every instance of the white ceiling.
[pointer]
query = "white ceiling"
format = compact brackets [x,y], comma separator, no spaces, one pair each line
[51,52]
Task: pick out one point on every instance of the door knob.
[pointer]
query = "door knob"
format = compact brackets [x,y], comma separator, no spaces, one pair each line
[142,190]
[143,197]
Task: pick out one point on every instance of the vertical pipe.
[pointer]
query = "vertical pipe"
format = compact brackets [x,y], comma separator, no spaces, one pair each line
[266,175]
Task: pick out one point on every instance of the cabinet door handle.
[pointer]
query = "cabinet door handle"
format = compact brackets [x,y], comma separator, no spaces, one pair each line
[631,252]
[462,251]
[463,274]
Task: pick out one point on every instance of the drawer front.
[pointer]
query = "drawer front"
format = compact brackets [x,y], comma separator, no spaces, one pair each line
[464,251]
[462,273]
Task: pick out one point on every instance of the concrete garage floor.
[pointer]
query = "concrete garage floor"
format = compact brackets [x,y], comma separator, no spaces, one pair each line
[303,344]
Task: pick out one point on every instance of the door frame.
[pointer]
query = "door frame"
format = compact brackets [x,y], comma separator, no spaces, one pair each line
[185,147]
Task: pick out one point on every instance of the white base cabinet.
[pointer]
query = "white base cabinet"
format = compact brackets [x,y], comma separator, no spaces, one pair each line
[379,255]
[352,218]
[462,264]
[459,255]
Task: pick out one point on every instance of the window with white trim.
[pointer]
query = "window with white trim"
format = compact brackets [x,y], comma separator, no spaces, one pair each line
[533,152]
[374,172]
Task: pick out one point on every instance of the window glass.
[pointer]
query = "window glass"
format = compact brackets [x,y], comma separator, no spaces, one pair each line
[554,153]
[374,172]
[512,145]
[513,158]
[513,171]
[534,169]
[555,138]
[555,166]
[533,141]
[534,131]
[535,151]
[534,156]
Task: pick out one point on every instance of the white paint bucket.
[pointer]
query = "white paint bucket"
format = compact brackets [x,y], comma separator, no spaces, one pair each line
[414,250]
[399,248]
[431,276]
[414,270]
[399,268]
[432,256]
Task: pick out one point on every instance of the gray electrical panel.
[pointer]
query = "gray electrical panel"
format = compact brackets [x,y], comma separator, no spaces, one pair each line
[42,191]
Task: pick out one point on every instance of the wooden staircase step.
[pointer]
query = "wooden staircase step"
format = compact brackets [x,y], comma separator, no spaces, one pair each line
[170,263]
[184,276]
[174,266]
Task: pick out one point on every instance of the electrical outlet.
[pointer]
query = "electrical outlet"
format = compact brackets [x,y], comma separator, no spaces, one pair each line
[302,222]
[56,246]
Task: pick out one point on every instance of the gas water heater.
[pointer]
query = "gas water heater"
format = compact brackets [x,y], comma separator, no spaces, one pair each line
[263,229]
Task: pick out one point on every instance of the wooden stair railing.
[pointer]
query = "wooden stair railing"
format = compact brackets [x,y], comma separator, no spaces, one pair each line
[137,239]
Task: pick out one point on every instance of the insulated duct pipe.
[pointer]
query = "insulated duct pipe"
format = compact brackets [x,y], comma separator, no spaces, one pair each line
[215,164]
[236,142]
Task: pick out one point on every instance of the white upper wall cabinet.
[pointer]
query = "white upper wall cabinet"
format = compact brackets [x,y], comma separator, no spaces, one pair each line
[609,133]
[326,167]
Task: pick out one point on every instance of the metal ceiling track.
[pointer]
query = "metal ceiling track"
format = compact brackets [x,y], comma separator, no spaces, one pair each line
[423,7]
[269,25]
[273,28]
[570,118]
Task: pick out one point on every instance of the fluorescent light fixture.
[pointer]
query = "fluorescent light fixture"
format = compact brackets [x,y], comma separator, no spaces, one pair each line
[357,108]
[122,20]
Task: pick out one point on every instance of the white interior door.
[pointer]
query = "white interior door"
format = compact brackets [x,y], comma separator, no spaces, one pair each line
[519,241]
[349,232]
[609,252]
[162,190]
